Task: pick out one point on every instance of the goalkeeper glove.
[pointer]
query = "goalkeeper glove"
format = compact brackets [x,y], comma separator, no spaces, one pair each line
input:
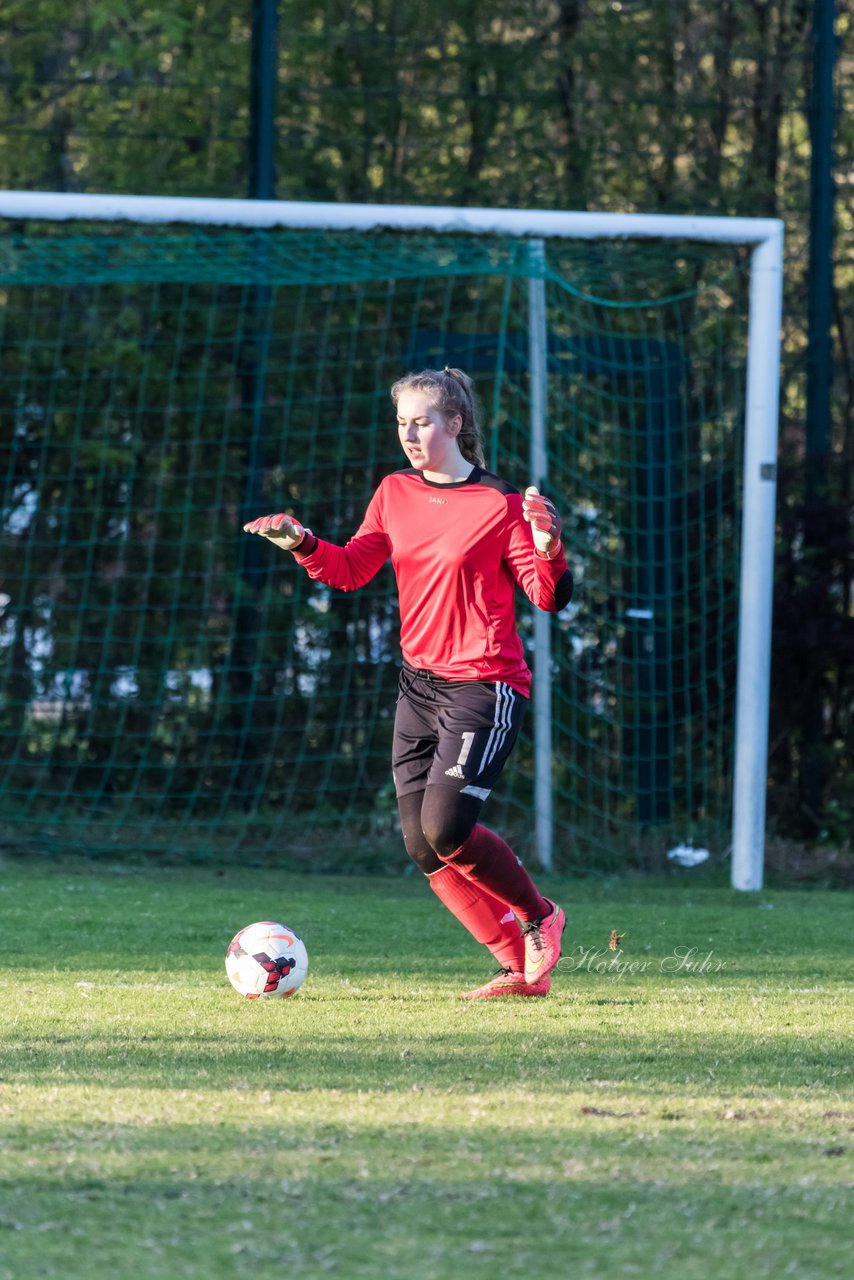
[282,530]
[544,520]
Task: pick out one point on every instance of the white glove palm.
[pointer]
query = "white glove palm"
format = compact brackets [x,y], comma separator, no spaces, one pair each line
[282,530]
[544,520]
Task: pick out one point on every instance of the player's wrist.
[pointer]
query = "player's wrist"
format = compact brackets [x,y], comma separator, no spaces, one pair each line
[306,545]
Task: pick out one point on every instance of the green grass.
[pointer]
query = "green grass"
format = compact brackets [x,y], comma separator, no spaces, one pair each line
[665,1122]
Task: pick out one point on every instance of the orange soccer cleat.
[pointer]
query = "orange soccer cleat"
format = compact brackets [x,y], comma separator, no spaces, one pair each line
[508,982]
[542,943]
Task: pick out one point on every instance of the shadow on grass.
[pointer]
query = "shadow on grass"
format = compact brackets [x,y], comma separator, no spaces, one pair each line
[487,1057]
[327,1209]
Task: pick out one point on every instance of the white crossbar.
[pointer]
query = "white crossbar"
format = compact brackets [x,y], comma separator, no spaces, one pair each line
[342,217]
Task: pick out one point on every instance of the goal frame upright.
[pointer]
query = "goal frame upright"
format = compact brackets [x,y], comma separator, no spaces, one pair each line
[763,236]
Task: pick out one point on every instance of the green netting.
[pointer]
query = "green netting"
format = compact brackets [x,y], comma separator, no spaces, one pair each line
[253,257]
[173,686]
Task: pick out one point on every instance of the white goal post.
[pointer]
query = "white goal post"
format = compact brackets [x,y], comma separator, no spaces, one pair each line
[764,236]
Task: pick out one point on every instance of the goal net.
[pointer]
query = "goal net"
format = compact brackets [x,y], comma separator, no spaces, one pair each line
[169,685]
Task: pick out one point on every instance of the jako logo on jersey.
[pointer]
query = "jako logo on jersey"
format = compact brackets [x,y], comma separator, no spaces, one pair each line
[439,502]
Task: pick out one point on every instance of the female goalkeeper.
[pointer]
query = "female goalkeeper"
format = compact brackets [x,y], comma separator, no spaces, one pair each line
[459,540]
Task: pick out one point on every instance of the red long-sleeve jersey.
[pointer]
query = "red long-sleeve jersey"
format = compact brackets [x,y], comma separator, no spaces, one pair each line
[457,552]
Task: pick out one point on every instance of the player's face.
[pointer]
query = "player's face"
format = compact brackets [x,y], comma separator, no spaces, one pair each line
[429,440]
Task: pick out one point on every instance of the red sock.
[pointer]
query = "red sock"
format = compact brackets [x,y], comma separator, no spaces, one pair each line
[487,920]
[486,860]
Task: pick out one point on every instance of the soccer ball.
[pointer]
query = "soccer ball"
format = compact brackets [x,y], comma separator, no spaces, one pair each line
[266,961]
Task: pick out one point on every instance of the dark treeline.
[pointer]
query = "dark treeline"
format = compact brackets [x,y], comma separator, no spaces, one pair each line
[654,105]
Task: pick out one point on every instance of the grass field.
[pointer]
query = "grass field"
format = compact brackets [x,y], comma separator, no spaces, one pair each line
[679,1110]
